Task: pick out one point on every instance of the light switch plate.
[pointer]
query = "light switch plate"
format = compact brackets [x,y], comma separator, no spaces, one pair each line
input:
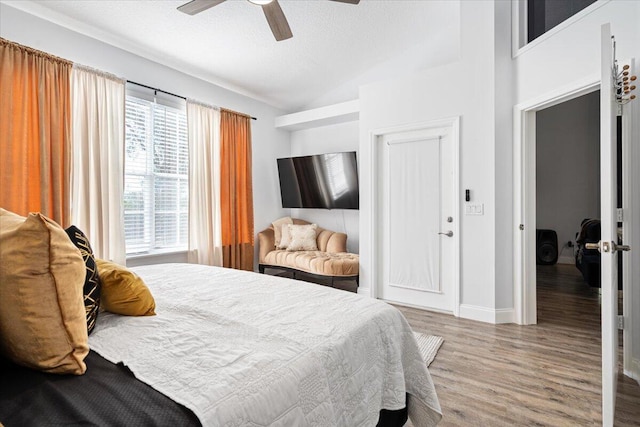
[474,209]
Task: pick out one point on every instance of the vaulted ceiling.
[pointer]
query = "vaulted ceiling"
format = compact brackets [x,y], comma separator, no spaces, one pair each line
[335,48]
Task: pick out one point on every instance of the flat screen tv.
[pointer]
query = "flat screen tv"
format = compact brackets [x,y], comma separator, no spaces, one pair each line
[324,181]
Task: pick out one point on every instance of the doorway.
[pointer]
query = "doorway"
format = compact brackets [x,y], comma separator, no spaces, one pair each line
[525,214]
[568,200]
[525,196]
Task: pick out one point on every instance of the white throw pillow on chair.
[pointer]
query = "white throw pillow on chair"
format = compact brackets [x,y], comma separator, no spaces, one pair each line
[278,229]
[303,237]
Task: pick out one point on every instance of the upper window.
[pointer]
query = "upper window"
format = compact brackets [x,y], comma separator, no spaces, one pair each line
[156,195]
[543,15]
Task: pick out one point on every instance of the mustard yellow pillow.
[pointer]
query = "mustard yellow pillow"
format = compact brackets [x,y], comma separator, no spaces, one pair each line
[42,317]
[123,291]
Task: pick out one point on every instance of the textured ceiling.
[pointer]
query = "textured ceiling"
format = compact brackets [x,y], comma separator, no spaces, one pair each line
[335,48]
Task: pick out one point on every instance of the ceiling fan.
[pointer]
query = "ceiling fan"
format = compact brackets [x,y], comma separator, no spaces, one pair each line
[272,11]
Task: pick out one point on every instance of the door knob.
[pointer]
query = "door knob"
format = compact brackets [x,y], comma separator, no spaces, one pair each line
[592,246]
[448,233]
[607,247]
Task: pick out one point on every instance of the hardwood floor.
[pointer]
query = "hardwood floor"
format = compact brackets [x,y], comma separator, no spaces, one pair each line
[542,375]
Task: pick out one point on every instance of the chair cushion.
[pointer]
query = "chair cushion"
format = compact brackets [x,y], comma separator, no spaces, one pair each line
[316,262]
[42,316]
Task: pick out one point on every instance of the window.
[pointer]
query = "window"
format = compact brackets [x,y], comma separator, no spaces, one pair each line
[543,15]
[156,192]
[337,175]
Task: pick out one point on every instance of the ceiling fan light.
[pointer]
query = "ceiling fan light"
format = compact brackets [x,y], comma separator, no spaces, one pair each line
[260,2]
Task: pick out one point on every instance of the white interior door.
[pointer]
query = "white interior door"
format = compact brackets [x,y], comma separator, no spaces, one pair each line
[609,235]
[418,224]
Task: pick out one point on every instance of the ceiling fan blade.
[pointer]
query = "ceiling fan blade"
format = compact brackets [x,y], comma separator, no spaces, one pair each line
[277,21]
[348,1]
[197,6]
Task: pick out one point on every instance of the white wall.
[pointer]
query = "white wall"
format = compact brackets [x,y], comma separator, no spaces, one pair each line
[573,55]
[268,142]
[327,139]
[442,49]
[482,88]
[568,167]
[504,84]
[466,89]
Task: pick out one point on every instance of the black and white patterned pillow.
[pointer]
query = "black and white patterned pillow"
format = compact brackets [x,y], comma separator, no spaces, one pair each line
[92,284]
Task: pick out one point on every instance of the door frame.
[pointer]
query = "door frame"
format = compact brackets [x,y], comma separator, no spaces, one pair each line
[524,209]
[524,244]
[375,138]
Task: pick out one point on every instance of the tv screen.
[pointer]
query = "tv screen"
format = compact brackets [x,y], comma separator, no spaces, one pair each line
[324,181]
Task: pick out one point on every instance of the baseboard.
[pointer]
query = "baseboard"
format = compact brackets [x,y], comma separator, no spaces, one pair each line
[487,315]
[505,315]
[404,304]
[364,291]
[566,259]
[635,370]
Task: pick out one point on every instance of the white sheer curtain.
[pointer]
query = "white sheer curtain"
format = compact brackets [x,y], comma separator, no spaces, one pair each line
[205,231]
[97,177]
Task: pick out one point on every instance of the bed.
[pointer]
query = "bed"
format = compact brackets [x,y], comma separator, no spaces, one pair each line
[235,348]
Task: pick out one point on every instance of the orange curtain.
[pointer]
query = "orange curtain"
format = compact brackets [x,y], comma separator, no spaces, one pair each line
[236,190]
[35,139]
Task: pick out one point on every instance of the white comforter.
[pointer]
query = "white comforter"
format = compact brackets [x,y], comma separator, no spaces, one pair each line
[245,349]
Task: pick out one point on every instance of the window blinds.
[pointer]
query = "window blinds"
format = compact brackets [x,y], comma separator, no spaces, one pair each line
[156,197]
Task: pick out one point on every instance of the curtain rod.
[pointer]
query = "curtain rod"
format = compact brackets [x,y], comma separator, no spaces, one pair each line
[164,91]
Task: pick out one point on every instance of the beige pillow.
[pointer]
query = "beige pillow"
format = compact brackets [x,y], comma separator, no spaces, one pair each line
[277,230]
[286,237]
[303,237]
[42,316]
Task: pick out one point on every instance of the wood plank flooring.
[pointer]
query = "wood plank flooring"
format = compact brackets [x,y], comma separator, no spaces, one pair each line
[543,375]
